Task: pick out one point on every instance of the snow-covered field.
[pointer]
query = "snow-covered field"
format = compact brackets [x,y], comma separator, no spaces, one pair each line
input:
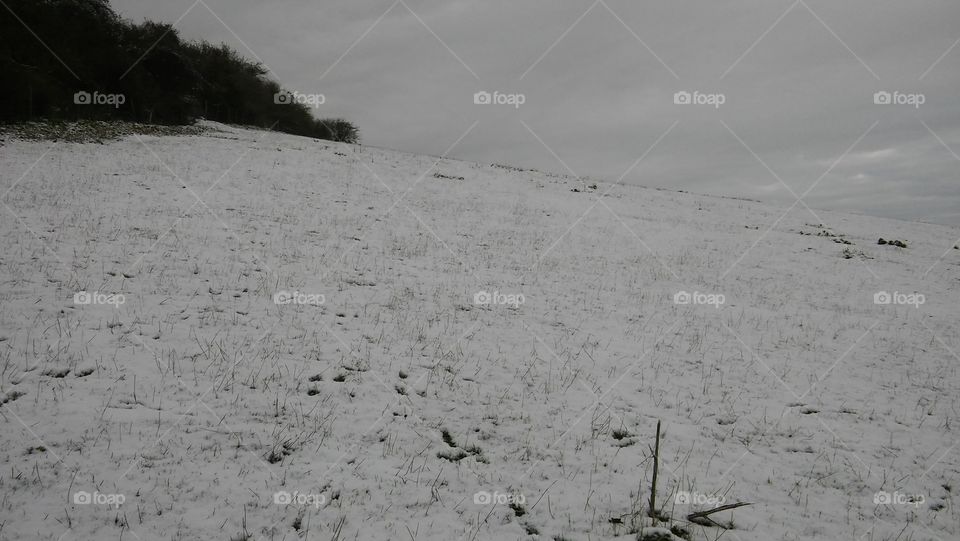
[156,387]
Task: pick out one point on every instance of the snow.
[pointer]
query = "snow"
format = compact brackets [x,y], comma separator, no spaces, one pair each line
[384,402]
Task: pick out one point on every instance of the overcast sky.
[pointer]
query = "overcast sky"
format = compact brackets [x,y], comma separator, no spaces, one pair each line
[796,79]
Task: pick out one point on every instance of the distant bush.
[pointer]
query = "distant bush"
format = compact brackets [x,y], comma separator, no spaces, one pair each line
[76,59]
[341,130]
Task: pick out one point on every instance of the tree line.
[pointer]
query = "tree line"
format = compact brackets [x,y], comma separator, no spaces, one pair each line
[77,59]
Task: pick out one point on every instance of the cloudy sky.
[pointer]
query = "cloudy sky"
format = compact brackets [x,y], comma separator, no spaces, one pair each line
[796,78]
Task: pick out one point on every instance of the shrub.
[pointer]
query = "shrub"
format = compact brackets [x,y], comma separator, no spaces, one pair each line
[162,78]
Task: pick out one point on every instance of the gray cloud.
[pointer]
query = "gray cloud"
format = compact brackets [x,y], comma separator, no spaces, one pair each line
[798,93]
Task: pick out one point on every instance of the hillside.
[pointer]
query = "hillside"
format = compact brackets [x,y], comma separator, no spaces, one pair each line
[151,359]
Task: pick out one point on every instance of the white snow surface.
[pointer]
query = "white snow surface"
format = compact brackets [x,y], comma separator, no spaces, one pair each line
[389,404]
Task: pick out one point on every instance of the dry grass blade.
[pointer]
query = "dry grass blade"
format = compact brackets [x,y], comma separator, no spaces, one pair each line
[703,517]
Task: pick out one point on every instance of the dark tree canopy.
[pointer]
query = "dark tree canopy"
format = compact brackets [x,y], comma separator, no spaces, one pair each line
[160,77]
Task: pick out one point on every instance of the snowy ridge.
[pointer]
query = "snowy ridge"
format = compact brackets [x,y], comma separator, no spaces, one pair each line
[249,335]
